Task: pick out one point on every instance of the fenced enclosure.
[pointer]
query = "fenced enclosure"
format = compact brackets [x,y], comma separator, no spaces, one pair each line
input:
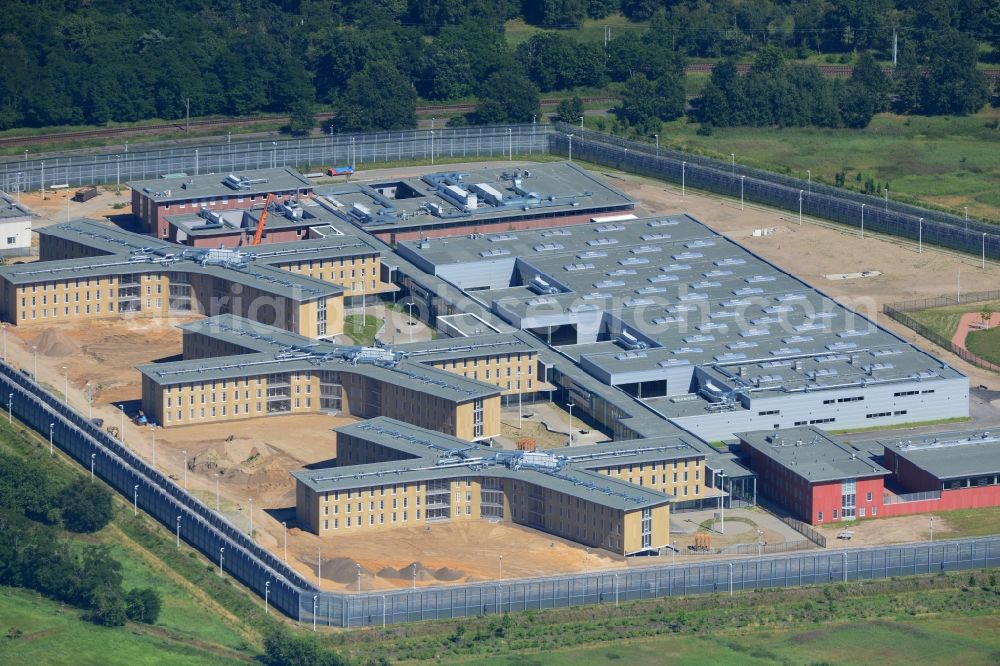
[263,573]
[359,150]
[899,312]
[866,212]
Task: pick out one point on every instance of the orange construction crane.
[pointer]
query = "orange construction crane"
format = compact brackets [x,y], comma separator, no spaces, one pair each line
[263,219]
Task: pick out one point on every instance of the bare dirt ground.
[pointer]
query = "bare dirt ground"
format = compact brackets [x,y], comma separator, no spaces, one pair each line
[452,552]
[255,456]
[59,207]
[547,423]
[886,530]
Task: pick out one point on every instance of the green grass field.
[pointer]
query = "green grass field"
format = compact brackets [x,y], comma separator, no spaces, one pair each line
[947,162]
[966,641]
[986,344]
[56,634]
[944,321]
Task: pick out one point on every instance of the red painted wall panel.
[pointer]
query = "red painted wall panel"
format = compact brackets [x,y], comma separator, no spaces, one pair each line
[963,498]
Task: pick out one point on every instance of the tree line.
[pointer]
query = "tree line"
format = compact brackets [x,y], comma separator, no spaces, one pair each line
[369,60]
[34,511]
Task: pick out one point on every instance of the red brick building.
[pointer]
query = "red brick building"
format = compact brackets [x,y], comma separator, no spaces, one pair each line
[153,200]
[818,478]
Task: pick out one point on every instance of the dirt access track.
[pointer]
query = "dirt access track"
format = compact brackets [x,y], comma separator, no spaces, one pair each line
[251,459]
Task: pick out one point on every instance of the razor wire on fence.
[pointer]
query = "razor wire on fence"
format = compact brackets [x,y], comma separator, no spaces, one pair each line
[867,213]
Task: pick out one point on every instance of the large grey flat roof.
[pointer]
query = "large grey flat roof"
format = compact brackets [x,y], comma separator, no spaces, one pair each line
[951,455]
[693,297]
[812,454]
[164,190]
[559,188]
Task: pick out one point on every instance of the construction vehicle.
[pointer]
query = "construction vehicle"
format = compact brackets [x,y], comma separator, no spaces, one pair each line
[340,171]
[140,419]
[263,219]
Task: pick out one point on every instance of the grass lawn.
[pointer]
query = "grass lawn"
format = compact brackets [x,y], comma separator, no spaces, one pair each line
[986,344]
[56,634]
[970,522]
[932,640]
[947,162]
[361,333]
[944,321]
[590,30]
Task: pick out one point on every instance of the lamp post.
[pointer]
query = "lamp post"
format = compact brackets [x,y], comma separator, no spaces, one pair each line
[121,431]
[315,598]
[432,146]
[570,405]
[844,553]
[359,579]
[722,503]
[730,579]
[984,251]
[616,590]
[501,567]
[510,144]
[920,236]
[178,531]
[409,306]
[65,385]
[284,531]
[683,177]
[184,451]
[383,611]
[196,161]
[863,220]
[414,567]
[800,208]
[932,528]
[251,517]
[52,427]
[570,136]
[93,456]
[966,218]
[581,122]
[733,156]
[135,500]
[886,190]
[657,137]
[809,183]
[742,179]
[10,408]
[319,568]
[267,592]
[586,555]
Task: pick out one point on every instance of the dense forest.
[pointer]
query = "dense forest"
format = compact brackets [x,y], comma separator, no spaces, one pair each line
[98,61]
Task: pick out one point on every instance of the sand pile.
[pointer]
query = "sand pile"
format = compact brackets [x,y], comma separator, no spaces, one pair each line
[53,342]
[423,573]
[342,570]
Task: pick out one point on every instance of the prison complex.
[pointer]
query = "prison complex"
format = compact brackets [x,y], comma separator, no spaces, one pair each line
[543,284]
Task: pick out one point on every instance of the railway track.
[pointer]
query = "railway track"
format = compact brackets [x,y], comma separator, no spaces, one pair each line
[238,122]
[693,68]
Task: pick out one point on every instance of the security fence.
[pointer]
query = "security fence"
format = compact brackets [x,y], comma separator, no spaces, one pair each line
[866,212]
[898,311]
[286,590]
[360,150]
[805,530]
